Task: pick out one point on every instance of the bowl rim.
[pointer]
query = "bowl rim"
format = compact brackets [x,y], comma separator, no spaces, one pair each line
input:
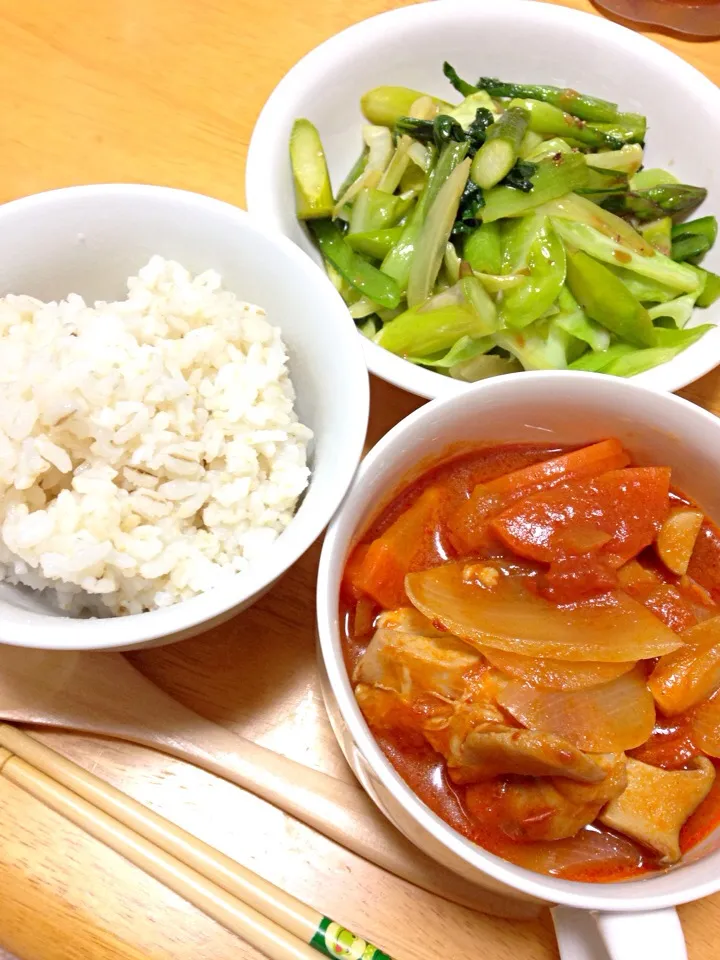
[637,895]
[333,52]
[135,630]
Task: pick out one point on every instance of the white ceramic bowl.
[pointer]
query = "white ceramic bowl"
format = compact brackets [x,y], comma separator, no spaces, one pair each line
[515,40]
[89,240]
[546,407]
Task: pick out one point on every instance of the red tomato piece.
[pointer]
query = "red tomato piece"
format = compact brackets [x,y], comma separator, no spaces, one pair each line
[469,523]
[575,578]
[669,605]
[671,745]
[704,567]
[613,516]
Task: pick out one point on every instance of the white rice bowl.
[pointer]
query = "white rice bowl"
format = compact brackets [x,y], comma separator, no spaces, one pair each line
[149,448]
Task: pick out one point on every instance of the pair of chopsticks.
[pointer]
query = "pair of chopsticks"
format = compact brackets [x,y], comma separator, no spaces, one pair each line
[268,918]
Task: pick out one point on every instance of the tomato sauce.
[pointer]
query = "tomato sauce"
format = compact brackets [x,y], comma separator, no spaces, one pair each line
[595,853]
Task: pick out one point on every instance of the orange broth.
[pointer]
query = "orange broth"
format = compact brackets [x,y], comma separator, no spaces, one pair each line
[423,769]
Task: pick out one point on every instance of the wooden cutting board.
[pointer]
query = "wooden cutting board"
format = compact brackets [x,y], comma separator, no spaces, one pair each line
[167,91]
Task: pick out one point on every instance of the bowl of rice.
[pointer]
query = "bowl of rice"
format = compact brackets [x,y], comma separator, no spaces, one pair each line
[183,405]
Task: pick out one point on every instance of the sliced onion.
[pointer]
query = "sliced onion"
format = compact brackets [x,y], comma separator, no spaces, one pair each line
[591,855]
[555,674]
[682,679]
[705,726]
[506,615]
[612,718]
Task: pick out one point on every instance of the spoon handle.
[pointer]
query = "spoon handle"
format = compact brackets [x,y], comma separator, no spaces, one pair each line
[338,810]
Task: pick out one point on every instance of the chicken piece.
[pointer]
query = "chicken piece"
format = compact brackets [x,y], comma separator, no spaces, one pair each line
[546,809]
[418,719]
[412,665]
[478,744]
[657,803]
[409,620]
[437,686]
[480,714]
[487,753]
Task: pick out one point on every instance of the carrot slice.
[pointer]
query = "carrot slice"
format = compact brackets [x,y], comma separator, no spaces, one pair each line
[378,569]
[352,572]
[468,525]
[629,505]
[665,600]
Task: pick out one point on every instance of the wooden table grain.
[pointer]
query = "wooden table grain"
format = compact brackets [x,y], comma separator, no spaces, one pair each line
[167,91]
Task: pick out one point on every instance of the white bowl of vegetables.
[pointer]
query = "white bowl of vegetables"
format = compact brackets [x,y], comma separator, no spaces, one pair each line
[482,227]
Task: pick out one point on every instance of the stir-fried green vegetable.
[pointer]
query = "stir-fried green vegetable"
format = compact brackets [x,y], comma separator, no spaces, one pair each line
[313,192]
[497,156]
[515,229]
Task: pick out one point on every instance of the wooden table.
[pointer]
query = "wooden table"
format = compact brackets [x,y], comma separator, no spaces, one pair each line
[167,91]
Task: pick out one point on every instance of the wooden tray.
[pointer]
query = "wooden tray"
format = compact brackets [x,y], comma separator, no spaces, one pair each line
[167,92]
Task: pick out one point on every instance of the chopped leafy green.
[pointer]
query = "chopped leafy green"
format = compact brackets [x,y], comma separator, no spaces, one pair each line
[462,86]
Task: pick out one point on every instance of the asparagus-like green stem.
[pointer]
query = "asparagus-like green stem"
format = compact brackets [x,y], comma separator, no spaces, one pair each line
[665,200]
[571,101]
[383,105]
[497,155]
[551,121]
[313,193]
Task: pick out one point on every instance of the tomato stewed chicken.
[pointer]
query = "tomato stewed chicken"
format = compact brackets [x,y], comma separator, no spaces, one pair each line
[533,637]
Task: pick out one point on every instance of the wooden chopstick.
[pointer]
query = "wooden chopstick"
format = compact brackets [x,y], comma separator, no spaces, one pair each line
[270,919]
